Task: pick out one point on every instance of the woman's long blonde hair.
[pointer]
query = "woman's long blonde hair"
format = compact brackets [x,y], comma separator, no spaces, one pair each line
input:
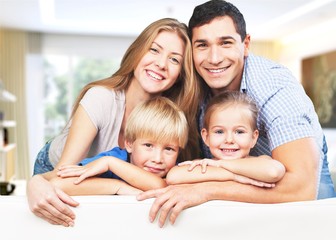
[185,91]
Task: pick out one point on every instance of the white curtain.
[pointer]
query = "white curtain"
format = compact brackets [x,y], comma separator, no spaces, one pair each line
[13,50]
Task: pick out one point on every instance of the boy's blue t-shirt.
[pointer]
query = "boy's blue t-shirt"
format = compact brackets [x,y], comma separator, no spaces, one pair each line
[117,152]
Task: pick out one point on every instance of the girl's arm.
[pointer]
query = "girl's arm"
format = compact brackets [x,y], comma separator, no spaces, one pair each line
[259,171]
[261,168]
[182,174]
[133,175]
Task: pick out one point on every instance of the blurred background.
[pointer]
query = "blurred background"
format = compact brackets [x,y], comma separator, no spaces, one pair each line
[49,49]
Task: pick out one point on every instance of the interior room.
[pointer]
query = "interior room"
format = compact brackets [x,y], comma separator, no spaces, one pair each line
[46,40]
[49,49]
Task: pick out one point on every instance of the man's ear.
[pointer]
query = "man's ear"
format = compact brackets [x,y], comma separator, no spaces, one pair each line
[128,146]
[205,138]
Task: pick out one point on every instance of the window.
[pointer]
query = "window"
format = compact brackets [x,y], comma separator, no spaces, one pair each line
[64,77]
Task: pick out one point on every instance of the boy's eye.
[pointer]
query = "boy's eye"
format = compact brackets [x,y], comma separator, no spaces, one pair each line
[170,149]
[240,131]
[148,145]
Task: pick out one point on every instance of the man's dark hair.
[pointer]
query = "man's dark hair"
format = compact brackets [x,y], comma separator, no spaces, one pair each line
[210,10]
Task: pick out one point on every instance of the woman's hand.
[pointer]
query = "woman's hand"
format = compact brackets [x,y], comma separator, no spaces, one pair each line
[50,203]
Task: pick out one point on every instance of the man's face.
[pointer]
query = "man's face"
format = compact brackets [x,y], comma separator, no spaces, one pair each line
[219,54]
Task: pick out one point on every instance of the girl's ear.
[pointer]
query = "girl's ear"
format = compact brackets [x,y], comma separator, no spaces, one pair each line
[128,146]
[255,136]
[205,138]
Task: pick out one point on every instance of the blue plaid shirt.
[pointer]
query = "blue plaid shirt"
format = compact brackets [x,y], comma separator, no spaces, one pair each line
[286,113]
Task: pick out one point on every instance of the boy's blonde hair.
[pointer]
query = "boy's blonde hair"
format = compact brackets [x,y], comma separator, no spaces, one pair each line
[158,119]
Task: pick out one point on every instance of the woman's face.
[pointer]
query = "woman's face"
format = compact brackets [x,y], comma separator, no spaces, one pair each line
[160,67]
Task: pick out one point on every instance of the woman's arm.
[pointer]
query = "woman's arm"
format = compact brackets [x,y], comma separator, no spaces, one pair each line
[47,201]
[81,135]
[95,186]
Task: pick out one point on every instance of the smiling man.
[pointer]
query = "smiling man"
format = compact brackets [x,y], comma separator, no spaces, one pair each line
[289,128]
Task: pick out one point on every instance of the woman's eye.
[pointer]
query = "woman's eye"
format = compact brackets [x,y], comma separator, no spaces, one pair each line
[154,50]
[175,60]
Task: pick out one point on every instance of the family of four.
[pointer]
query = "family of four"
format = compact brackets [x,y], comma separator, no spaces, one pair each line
[256,137]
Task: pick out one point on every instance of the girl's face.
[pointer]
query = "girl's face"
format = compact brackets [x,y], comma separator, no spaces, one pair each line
[230,134]
[153,157]
[160,67]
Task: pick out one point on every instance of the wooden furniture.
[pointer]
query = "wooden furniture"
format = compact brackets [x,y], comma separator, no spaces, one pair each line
[7,163]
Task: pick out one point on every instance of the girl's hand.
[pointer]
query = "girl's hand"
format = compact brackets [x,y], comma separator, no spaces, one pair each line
[202,162]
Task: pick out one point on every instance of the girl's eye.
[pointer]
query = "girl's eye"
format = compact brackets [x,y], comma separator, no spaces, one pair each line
[239,131]
[219,131]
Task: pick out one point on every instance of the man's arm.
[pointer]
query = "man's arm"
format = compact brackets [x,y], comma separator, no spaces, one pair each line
[300,158]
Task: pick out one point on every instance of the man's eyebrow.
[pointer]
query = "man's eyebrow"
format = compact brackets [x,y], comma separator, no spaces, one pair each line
[218,39]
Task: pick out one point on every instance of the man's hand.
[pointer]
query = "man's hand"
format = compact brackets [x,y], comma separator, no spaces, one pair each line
[172,200]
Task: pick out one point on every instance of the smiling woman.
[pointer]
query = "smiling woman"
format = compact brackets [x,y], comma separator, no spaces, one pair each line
[158,62]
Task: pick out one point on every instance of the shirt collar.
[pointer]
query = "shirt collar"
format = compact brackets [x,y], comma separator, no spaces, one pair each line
[243,84]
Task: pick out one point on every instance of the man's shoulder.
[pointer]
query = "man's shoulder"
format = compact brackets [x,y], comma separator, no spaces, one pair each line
[257,61]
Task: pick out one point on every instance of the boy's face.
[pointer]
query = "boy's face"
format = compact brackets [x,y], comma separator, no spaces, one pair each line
[219,53]
[230,134]
[153,157]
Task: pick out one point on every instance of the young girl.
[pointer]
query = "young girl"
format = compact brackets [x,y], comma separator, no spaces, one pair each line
[230,131]
[155,132]
[158,62]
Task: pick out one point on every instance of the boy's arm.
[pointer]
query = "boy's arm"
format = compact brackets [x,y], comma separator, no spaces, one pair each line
[135,176]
